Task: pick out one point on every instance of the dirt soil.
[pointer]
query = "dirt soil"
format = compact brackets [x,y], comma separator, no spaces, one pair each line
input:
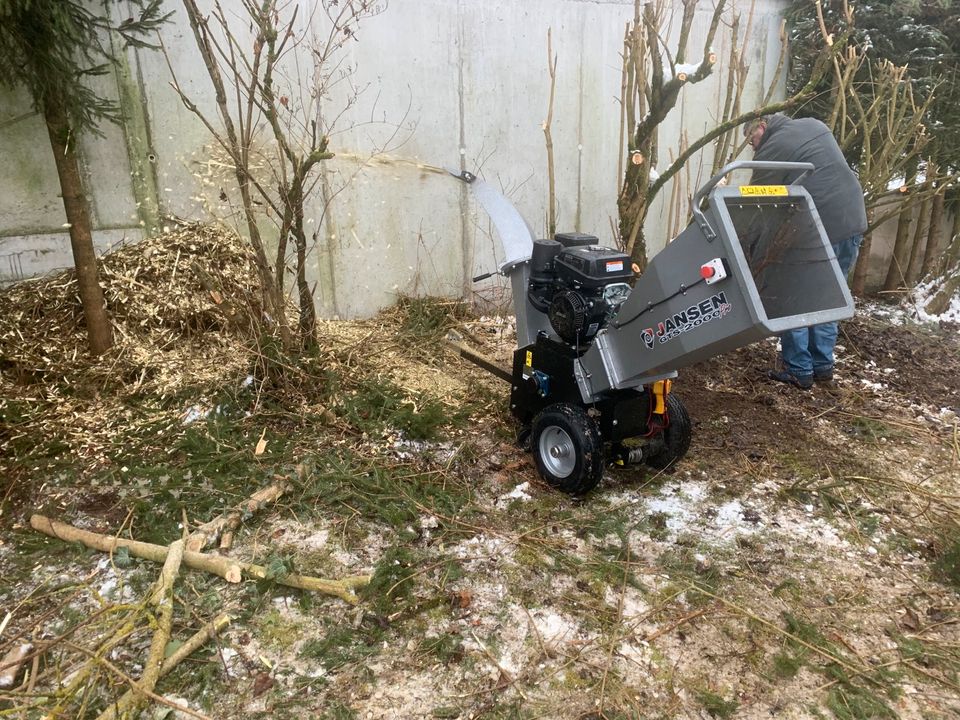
[802,561]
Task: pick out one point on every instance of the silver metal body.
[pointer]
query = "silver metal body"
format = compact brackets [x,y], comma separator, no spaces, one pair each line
[782,274]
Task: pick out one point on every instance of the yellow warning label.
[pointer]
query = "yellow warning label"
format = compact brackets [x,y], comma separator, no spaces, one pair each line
[529,362]
[760,190]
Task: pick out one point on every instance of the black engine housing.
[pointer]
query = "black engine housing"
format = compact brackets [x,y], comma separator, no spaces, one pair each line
[578,284]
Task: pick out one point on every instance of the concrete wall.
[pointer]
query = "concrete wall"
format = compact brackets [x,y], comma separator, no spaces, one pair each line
[459,83]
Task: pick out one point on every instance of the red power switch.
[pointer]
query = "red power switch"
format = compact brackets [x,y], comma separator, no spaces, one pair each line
[713,271]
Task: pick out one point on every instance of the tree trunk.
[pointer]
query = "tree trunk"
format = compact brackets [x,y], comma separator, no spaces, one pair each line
[632,207]
[897,272]
[238,147]
[951,256]
[273,299]
[858,281]
[919,238]
[308,311]
[63,143]
[934,236]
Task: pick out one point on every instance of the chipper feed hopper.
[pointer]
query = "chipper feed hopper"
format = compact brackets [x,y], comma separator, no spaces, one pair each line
[598,346]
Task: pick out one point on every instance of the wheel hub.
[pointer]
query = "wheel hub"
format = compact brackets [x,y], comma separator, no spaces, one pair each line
[557,451]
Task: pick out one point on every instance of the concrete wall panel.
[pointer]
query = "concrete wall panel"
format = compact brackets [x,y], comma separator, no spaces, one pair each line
[30,195]
[427,84]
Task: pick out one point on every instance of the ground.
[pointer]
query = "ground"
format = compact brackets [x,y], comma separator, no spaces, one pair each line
[802,561]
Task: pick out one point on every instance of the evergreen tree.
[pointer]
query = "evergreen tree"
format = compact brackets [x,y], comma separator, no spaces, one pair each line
[52,48]
[923,35]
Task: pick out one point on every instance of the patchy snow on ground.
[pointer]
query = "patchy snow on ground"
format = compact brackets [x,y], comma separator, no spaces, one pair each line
[893,314]
[922,294]
[554,627]
[404,449]
[913,308]
[689,508]
[482,548]
[520,492]
[197,412]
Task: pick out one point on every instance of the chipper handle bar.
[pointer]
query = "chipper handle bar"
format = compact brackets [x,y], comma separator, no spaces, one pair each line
[737,165]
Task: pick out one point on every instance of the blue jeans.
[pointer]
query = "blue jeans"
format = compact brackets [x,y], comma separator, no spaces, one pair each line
[809,350]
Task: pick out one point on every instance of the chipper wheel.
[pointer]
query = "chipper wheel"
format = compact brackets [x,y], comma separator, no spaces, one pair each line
[676,436]
[567,448]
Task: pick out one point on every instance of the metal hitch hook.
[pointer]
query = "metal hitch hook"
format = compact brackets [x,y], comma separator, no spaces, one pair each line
[464,175]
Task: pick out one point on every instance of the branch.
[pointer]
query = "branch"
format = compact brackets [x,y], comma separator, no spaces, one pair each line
[208,533]
[99,660]
[163,599]
[231,570]
[804,94]
[548,139]
[689,10]
[194,643]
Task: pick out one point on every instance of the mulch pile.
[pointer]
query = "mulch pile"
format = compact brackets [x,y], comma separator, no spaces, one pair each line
[161,294]
[180,304]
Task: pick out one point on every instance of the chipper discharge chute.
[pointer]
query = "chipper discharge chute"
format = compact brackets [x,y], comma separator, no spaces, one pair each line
[598,348]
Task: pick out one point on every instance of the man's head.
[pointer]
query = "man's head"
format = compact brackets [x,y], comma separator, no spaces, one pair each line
[753,131]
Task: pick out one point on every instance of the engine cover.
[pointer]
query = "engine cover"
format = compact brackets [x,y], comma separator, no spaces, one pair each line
[578,285]
[592,267]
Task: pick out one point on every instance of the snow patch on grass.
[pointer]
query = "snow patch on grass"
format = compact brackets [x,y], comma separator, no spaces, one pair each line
[687,508]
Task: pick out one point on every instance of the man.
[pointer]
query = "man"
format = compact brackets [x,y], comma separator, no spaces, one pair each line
[807,353]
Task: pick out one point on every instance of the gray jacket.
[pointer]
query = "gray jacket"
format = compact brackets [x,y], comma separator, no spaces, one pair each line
[833,186]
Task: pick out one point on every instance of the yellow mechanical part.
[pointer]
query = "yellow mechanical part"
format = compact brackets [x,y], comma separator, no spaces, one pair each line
[661,389]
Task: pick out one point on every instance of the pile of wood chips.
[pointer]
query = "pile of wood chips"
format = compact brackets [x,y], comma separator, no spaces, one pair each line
[182,305]
[184,308]
[161,295]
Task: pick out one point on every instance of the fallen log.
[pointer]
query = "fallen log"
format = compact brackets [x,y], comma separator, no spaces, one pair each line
[231,570]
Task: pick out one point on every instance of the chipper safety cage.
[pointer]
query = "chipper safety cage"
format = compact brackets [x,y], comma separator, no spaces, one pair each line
[598,346]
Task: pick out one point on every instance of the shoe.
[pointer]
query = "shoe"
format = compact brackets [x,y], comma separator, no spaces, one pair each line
[804,382]
[824,376]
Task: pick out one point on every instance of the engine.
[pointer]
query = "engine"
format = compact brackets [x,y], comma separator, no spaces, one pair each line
[578,284]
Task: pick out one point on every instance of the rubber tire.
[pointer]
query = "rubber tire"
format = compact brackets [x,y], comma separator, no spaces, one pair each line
[585,442]
[676,437]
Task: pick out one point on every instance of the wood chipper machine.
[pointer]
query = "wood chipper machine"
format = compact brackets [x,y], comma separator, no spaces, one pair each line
[598,346]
